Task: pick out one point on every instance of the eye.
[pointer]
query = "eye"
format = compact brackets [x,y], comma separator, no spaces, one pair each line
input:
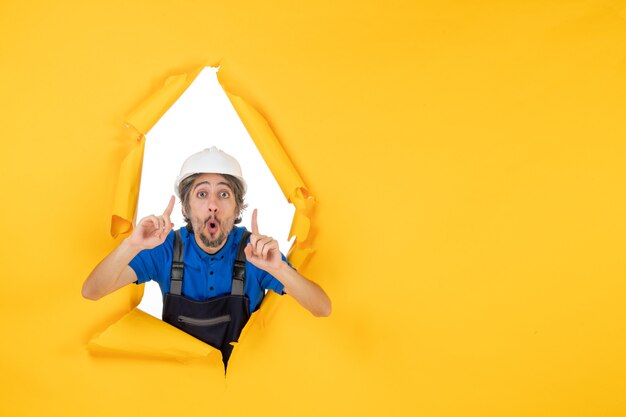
[224,194]
[202,194]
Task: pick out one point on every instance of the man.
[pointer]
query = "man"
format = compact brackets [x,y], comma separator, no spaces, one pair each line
[212,274]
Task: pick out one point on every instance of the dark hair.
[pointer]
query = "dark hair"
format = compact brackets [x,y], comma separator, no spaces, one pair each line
[234,183]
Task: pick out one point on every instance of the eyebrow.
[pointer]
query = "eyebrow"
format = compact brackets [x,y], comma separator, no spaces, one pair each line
[208,183]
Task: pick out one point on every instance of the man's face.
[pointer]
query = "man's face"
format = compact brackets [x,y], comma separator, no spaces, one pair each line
[213,211]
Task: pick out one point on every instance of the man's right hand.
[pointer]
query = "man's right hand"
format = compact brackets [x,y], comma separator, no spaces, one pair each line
[151,231]
[113,271]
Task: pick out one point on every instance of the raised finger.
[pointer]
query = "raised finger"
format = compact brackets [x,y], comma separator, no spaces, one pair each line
[170,207]
[255,226]
[253,241]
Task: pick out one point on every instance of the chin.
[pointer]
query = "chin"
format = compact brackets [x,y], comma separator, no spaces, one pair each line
[212,243]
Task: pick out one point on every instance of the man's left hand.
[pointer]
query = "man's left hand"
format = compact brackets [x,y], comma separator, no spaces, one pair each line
[262,251]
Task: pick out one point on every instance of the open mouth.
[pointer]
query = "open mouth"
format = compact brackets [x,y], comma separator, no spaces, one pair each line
[212,226]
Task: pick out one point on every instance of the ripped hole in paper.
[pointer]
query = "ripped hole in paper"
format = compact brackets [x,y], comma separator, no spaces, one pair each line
[203,117]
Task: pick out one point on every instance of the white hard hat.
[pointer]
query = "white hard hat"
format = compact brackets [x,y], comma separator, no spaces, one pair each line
[210,161]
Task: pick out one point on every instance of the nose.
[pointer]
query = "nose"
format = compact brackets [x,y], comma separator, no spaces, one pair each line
[212,204]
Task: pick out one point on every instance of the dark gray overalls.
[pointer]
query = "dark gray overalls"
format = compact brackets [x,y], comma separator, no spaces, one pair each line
[217,321]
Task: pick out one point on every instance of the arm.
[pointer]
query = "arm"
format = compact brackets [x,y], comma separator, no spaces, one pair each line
[113,271]
[263,252]
[310,295]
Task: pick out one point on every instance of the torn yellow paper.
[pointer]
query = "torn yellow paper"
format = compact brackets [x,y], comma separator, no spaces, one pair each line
[115,338]
[265,139]
[301,226]
[150,110]
[493,131]
[127,191]
[141,120]
[140,334]
[285,173]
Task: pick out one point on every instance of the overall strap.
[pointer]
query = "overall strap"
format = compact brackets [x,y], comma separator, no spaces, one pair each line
[239,270]
[176,274]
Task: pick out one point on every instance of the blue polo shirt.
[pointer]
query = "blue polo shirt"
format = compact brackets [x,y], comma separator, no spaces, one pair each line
[205,276]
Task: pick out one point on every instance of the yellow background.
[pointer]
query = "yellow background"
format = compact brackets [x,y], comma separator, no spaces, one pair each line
[468,163]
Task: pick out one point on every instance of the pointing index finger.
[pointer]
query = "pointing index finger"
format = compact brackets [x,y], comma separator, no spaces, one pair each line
[170,207]
[255,226]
